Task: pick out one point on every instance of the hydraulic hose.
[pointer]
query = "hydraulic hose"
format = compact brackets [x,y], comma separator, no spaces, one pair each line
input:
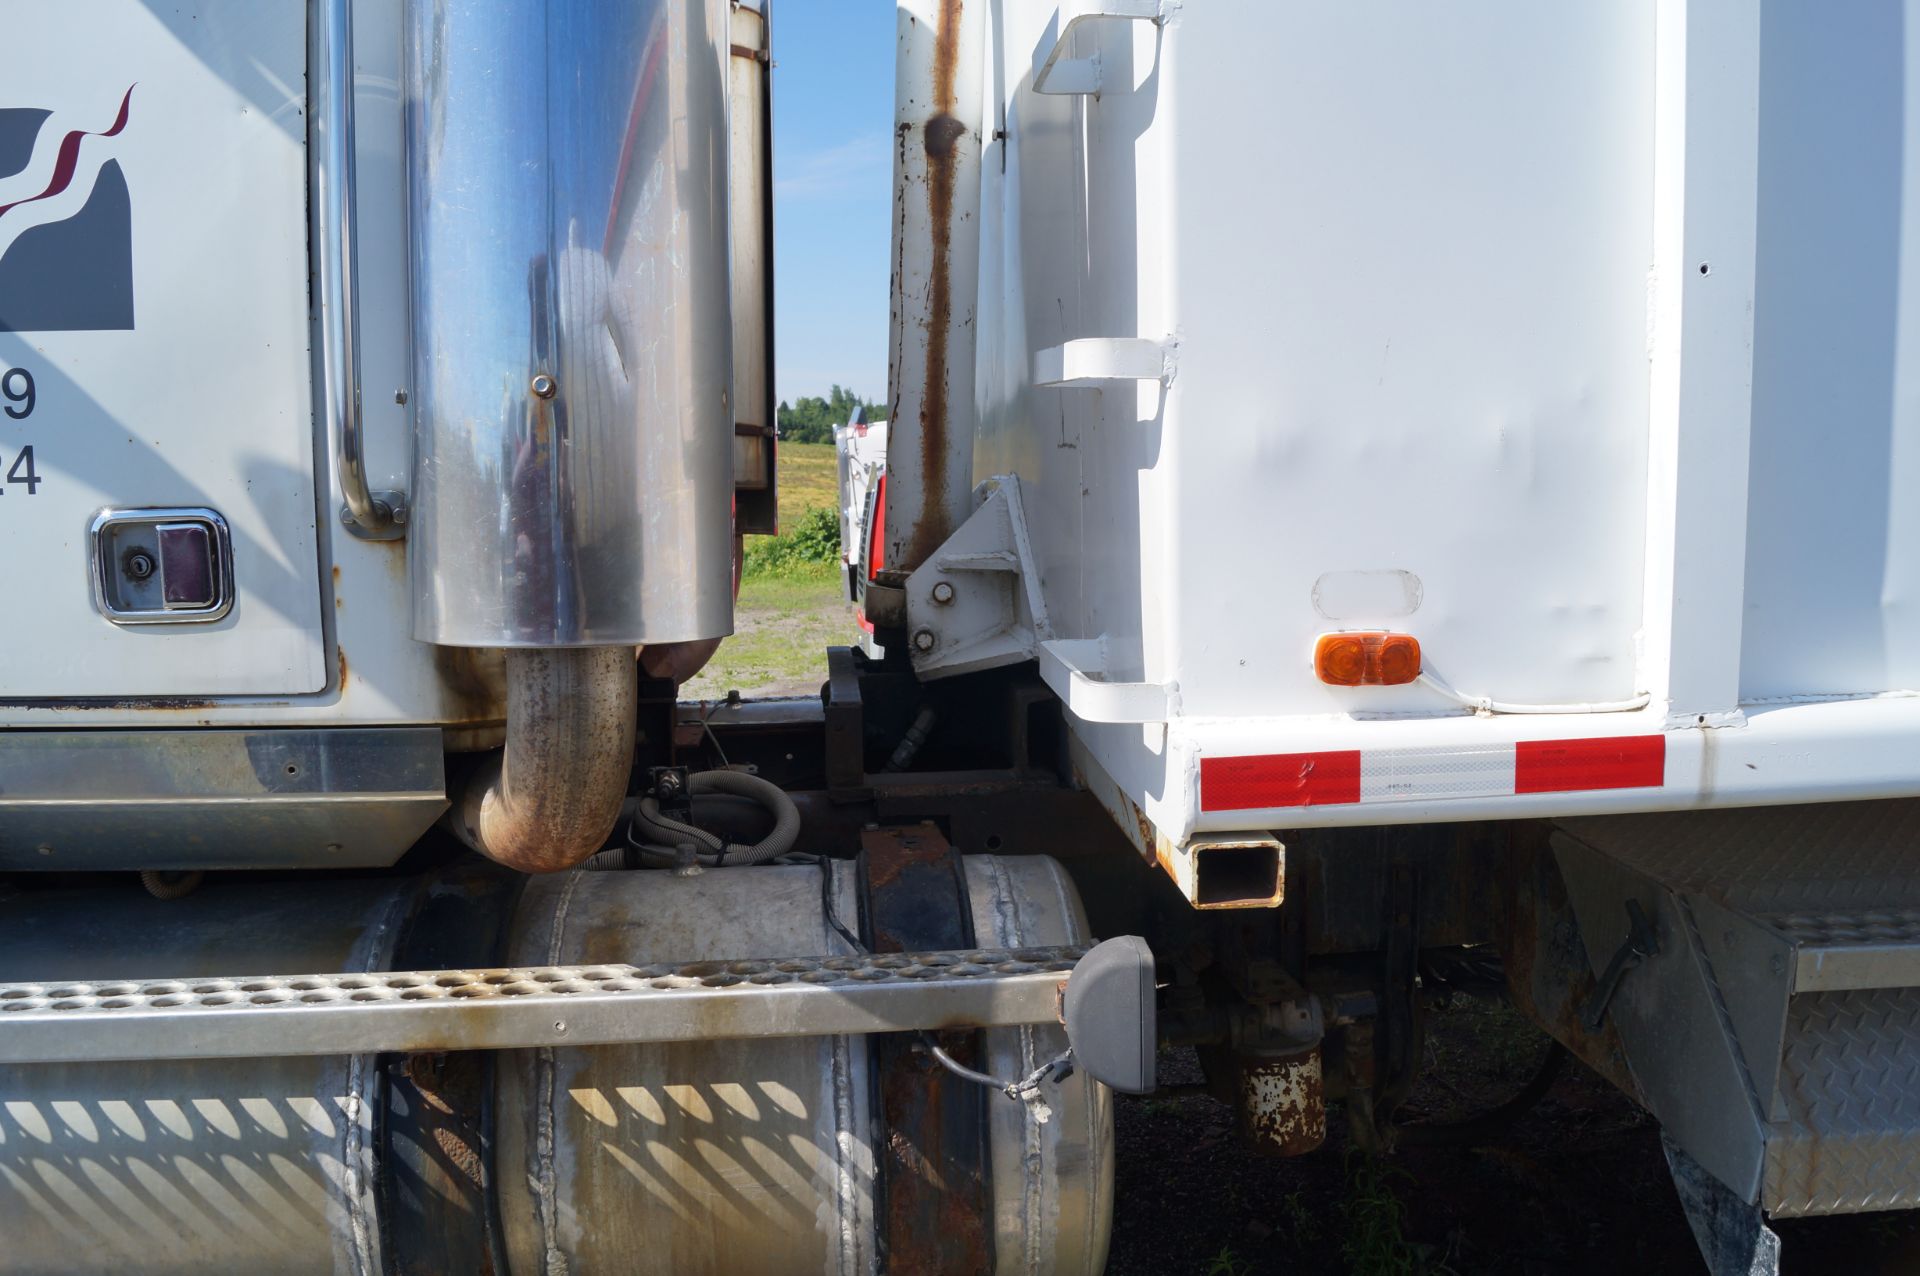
[909,746]
[657,835]
[1492,1124]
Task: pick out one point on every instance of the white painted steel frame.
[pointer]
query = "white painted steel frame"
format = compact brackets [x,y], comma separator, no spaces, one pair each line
[1705,153]
[1780,754]
[1706,194]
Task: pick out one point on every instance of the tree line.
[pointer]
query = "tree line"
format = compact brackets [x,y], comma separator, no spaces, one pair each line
[811,420]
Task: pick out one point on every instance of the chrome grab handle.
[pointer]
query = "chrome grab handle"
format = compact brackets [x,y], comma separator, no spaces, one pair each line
[370,515]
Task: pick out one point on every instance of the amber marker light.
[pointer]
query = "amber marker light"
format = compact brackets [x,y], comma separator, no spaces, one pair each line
[1366,659]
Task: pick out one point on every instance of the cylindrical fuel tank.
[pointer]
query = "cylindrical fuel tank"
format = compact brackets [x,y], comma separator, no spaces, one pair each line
[221,1165]
[706,1158]
[568,165]
[758,1157]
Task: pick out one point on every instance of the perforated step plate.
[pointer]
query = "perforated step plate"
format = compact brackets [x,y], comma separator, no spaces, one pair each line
[534,1006]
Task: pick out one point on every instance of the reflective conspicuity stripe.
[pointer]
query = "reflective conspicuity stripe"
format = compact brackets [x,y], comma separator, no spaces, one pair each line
[1410,775]
[1264,781]
[1569,766]
[1279,779]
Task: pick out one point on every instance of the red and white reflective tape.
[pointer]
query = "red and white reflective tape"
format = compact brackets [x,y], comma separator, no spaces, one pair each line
[1347,776]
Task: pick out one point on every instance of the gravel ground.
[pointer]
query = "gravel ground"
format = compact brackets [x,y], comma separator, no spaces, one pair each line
[1577,1186]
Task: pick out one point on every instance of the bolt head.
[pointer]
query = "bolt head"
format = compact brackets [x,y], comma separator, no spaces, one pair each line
[924,640]
[544,386]
[943,592]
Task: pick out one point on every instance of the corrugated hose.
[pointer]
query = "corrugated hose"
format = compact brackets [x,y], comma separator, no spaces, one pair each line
[657,836]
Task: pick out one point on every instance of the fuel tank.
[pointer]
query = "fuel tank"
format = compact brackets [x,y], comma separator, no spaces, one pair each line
[831,1154]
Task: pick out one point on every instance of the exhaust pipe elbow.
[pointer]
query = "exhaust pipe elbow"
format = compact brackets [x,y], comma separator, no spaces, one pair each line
[552,796]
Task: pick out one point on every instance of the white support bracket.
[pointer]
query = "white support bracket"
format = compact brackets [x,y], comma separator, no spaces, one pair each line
[1076,669]
[1054,72]
[977,603]
[1090,360]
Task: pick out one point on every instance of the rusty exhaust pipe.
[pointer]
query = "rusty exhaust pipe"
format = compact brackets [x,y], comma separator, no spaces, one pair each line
[551,797]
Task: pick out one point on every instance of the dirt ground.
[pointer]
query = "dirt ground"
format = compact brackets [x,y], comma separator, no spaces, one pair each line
[1577,1186]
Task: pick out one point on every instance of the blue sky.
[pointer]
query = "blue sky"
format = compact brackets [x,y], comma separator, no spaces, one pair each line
[832,194]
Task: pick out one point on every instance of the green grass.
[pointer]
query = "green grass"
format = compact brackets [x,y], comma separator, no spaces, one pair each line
[1228,1263]
[804,546]
[808,480]
[791,608]
[783,626]
[1303,1225]
[1374,1222]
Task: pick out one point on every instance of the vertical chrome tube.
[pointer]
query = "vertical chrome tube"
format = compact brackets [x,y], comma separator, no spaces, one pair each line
[373,515]
[573,438]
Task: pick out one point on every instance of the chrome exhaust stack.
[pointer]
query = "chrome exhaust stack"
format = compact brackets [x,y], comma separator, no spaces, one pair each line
[573,435]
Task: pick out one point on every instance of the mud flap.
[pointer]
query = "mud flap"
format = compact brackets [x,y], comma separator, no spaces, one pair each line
[1733,1235]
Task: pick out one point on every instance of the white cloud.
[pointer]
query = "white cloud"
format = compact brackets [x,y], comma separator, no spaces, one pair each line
[861,169]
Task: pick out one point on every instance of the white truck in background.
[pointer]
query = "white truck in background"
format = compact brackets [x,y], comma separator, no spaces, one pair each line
[860,465]
[1368,490]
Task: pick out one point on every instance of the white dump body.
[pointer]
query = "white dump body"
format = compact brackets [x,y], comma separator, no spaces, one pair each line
[1573,340]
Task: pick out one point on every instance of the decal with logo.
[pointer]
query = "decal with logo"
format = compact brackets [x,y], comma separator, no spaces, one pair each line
[66,223]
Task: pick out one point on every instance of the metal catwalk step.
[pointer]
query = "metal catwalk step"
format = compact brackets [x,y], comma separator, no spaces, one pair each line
[411,1011]
[1774,1028]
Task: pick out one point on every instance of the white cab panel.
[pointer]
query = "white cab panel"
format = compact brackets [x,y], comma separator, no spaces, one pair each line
[371,671]
[173,162]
